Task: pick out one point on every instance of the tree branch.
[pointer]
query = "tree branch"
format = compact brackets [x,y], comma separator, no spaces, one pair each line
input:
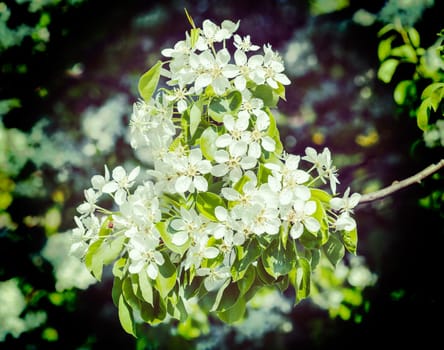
[398,185]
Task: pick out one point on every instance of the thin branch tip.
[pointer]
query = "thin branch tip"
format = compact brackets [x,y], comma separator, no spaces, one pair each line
[400,184]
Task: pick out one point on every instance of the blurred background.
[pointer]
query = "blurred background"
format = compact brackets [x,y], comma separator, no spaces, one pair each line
[68,78]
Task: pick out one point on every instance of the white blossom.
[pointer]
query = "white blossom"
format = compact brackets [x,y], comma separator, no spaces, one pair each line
[259,139]
[346,203]
[214,70]
[143,255]
[244,43]
[273,68]
[89,205]
[237,137]
[234,165]
[249,69]
[300,216]
[322,162]
[190,172]
[186,226]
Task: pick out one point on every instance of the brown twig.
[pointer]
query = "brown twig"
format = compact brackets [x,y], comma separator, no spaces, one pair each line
[398,185]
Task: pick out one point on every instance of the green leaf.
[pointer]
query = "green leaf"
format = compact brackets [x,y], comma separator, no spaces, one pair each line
[245,283]
[350,239]
[403,90]
[126,317]
[387,28]
[313,256]
[387,69]
[116,291]
[235,313]
[104,250]
[423,115]
[229,297]
[283,233]
[321,215]
[190,19]
[385,47]
[334,249]
[156,313]
[262,273]
[262,174]
[433,89]
[208,143]
[94,259]
[248,253]
[228,104]
[406,52]
[195,115]
[273,132]
[321,195]
[129,291]
[166,238]
[7,105]
[279,260]
[282,283]
[217,109]
[239,185]
[266,94]
[176,308]
[149,80]
[112,248]
[194,36]
[414,36]
[192,287]
[206,202]
[234,99]
[146,289]
[105,229]
[300,278]
[280,91]
[166,278]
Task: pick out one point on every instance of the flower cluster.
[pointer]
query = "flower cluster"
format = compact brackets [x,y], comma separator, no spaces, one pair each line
[223,210]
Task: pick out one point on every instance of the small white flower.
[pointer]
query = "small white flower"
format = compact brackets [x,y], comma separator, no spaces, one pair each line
[237,137]
[263,219]
[190,171]
[274,67]
[80,238]
[259,137]
[300,216]
[232,165]
[249,69]
[346,203]
[198,252]
[89,205]
[251,106]
[121,183]
[165,174]
[244,43]
[179,96]
[186,226]
[99,181]
[288,180]
[345,222]
[143,254]
[181,48]
[212,33]
[213,70]
[322,162]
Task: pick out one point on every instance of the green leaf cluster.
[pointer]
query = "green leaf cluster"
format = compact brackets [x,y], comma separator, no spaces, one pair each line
[401,45]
